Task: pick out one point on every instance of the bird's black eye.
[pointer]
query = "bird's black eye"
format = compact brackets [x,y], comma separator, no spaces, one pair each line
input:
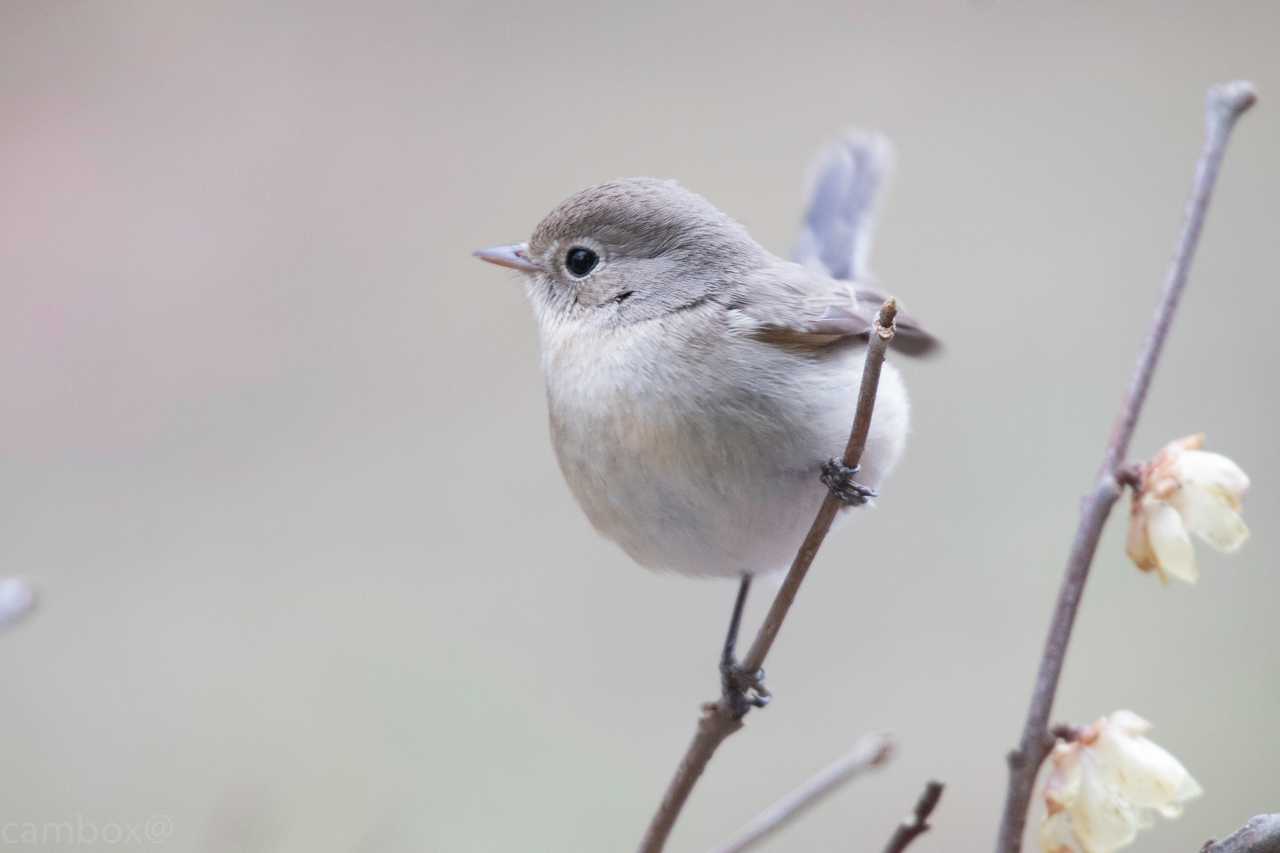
[580,262]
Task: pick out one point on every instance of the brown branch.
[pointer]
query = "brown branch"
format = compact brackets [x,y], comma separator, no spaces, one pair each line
[867,754]
[1260,835]
[718,719]
[880,338]
[917,823]
[1226,104]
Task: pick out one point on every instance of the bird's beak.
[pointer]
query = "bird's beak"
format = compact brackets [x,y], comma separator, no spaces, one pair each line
[515,256]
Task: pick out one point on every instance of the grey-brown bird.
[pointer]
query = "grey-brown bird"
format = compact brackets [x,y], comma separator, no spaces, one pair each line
[700,386]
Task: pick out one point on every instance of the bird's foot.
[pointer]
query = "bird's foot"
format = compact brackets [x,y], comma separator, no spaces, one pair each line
[838,477]
[742,690]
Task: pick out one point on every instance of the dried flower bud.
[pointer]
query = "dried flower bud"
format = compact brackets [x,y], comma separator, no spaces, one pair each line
[1108,784]
[1185,490]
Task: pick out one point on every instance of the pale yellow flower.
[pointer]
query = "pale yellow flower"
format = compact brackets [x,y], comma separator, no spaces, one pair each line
[1185,490]
[1109,783]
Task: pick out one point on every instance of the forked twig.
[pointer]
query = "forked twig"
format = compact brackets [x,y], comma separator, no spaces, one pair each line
[719,719]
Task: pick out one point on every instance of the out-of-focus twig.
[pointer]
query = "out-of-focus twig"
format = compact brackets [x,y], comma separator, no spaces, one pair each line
[917,823]
[867,754]
[719,719]
[1226,103]
[16,600]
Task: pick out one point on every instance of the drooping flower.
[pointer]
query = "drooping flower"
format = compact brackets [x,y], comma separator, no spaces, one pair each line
[1185,490]
[1109,783]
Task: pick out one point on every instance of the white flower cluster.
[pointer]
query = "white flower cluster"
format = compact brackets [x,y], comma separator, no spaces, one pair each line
[1110,781]
[1185,490]
[1107,784]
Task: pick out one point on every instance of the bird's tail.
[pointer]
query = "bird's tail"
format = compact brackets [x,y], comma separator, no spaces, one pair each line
[839,221]
[839,216]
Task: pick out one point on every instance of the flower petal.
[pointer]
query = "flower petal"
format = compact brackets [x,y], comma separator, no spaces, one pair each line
[1103,820]
[1170,542]
[1212,469]
[1057,835]
[1126,722]
[1138,543]
[1143,773]
[1062,785]
[1212,517]
[1187,442]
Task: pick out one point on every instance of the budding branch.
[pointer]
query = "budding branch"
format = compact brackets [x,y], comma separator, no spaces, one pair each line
[1226,104]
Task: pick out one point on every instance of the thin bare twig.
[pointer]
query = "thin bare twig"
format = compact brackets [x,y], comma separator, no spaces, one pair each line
[1226,103]
[718,719]
[1260,835]
[867,754]
[879,343]
[917,823]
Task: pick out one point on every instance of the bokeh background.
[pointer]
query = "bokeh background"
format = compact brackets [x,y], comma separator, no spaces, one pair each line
[273,447]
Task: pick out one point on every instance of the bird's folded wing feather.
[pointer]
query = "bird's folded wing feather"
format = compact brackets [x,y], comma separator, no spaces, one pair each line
[825,298]
[796,306]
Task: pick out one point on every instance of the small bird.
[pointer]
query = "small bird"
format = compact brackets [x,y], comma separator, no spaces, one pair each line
[700,386]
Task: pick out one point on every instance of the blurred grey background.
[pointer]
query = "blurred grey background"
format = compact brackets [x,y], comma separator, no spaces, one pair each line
[274,449]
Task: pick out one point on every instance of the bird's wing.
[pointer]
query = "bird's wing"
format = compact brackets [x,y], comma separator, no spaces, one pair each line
[847,175]
[796,306]
[829,300]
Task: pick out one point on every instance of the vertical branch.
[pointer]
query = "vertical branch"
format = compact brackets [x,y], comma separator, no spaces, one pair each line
[719,719]
[1226,103]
